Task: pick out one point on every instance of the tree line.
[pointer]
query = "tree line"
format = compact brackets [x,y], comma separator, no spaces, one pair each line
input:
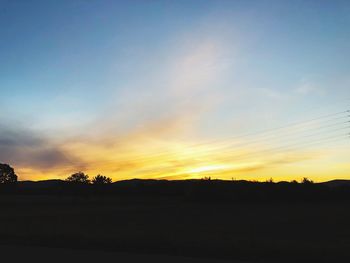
[8,176]
[203,190]
[82,178]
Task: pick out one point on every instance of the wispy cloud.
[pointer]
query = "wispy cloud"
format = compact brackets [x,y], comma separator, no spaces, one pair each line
[308,87]
[25,148]
[149,128]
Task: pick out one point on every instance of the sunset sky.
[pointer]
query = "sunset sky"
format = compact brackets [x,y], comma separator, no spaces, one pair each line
[175,89]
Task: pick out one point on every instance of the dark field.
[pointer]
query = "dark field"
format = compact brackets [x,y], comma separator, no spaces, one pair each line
[59,255]
[268,231]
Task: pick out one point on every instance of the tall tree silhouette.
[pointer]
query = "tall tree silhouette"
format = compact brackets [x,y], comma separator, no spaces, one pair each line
[7,174]
[79,177]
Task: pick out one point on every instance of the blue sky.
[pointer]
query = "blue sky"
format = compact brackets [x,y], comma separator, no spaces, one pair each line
[91,71]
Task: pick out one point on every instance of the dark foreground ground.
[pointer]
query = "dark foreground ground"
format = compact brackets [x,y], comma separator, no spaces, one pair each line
[265,231]
[16,254]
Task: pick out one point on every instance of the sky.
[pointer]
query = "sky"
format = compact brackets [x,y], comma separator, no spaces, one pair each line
[175,89]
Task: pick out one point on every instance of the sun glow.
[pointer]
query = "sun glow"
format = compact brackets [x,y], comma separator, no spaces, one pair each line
[165,136]
[208,168]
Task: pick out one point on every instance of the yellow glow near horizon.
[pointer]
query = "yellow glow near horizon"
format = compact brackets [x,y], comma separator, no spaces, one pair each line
[170,146]
[139,158]
[175,105]
[207,168]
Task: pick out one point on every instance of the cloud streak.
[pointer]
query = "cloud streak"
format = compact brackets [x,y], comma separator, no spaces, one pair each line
[26,148]
[148,130]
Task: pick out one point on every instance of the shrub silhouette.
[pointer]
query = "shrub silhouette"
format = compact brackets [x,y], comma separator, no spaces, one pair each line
[7,174]
[101,179]
[79,177]
[307,181]
[270,181]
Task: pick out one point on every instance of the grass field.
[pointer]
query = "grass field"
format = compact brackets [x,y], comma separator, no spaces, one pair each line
[250,231]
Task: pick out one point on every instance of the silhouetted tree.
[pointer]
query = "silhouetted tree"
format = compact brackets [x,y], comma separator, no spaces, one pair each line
[101,179]
[307,181]
[270,181]
[7,174]
[79,177]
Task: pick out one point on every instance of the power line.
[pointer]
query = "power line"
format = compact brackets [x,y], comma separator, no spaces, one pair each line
[291,146]
[165,153]
[273,137]
[247,155]
[267,132]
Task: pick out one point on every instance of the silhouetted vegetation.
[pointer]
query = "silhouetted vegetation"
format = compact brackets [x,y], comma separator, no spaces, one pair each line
[206,218]
[307,181]
[7,174]
[101,180]
[268,222]
[206,191]
[79,178]
[233,219]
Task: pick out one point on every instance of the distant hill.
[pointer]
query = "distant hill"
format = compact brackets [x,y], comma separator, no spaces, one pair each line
[337,183]
[150,182]
[194,190]
[40,184]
